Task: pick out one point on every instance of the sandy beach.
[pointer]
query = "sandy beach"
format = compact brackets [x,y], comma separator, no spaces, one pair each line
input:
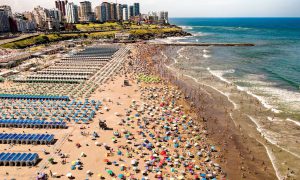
[151,133]
[153,128]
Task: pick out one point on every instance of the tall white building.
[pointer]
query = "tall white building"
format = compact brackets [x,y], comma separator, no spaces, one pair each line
[125,12]
[164,17]
[72,13]
[153,17]
[41,16]
[119,12]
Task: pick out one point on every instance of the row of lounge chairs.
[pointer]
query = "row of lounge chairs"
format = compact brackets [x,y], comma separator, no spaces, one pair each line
[31,124]
[8,138]
[69,81]
[35,97]
[18,159]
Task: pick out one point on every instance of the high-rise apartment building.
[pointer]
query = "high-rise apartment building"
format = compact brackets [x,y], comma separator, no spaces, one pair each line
[23,24]
[86,14]
[4,21]
[98,13]
[106,11]
[7,9]
[113,11]
[164,17]
[29,16]
[119,12]
[125,12]
[131,11]
[72,13]
[55,14]
[136,9]
[61,5]
[40,15]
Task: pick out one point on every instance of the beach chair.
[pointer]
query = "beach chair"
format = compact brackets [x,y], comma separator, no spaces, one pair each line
[1,137]
[3,158]
[32,160]
[40,140]
[9,138]
[25,159]
[1,155]
[31,139]
[16,138]
[18,161]
[8,158]
[50,139]
[13,160]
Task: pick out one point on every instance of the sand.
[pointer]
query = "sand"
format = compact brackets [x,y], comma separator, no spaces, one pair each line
[213,128]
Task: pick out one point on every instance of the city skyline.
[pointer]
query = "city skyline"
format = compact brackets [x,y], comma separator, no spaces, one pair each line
[67,13]
[190,8]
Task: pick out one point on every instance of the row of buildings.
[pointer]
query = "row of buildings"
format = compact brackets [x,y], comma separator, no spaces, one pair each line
[10,22]
[104,12]
[40,18]
[69,13]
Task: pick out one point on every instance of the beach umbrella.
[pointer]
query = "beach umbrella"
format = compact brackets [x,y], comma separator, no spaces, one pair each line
[203,175]
[180,177]
[121,176]
[106,160]
[133,162]
[89,172]
[216,165]
[110,172]
[69,175]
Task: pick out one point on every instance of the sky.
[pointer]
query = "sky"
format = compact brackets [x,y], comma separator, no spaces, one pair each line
[189,8]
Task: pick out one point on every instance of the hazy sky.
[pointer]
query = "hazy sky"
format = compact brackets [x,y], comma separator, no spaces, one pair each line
[190,8]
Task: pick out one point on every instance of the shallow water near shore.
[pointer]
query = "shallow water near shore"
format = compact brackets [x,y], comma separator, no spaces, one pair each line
[270,70]
[249,112]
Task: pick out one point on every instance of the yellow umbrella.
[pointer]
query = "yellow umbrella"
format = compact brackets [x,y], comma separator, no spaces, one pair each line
[181,177]
[100,175]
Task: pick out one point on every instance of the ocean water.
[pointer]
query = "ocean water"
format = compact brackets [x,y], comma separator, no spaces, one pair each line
[270,70]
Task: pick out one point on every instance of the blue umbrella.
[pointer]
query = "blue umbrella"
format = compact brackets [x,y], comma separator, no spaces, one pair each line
[121,176]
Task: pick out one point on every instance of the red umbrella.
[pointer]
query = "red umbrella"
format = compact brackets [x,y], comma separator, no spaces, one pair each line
[106,160]
[163,153]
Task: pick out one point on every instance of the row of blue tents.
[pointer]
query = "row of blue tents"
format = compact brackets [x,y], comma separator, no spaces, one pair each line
[33,97]
[18,159]
[27,123]
[7,138]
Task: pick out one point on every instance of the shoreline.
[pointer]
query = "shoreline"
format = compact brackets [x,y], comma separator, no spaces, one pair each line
[236,172]
[242,152]
[206,44]
[284,162]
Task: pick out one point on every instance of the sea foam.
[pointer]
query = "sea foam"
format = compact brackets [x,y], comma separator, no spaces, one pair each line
[186,27]
[219,74]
